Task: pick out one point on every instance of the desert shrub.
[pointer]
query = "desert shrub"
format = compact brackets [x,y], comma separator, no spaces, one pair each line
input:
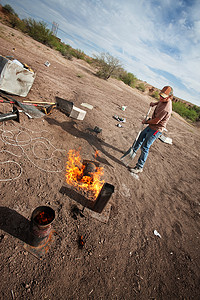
[184,111]
[20,25]
[15,22]
[38,31]
[197,109]
[156,95]
[106,64]
[13,17]
[88,60]
[141,87]
[8,9]
[65,50]
[128,78]
[78,53]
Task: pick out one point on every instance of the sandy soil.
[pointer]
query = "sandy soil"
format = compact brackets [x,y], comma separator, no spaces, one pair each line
[123,258]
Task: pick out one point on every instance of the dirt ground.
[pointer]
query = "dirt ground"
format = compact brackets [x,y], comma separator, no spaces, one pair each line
[121,258]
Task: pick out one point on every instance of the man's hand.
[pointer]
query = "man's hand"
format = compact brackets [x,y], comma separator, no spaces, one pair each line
[153,103]
[144,121]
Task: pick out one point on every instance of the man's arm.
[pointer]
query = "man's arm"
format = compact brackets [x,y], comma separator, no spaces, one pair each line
[156,120]
[151,121]
[154,103]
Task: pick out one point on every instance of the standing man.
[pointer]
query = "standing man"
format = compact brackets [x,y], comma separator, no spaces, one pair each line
[156,124]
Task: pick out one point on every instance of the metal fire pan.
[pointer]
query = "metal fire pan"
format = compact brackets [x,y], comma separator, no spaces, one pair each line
[103,197]
[64,105]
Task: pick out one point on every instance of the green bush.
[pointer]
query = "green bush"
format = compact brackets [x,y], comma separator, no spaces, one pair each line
[141,87]
[78,53]
[20,25]
[184,111]
[197,109]
[7,8]
[38,31]
[88,60]
[63,49]
[128,78]
[156,95]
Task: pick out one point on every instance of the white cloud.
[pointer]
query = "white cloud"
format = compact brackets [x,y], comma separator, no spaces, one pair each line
[160,34]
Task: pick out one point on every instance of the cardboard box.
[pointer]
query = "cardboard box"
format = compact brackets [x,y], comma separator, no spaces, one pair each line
[77,113]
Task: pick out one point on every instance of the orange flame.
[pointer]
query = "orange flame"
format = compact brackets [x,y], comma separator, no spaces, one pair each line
[97,153]
[43,218]
[74,176]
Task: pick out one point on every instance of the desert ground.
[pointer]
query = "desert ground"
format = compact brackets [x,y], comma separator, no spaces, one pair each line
[121,257]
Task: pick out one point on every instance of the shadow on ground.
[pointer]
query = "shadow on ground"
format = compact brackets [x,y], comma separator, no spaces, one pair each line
[14,223]
[93,140]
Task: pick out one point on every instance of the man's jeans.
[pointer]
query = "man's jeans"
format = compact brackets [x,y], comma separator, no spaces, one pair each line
[145,140]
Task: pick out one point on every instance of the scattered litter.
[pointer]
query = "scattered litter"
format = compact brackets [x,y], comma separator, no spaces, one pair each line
[90,292]
[68,108]
[124,107]
[87,105]
[156,233]
[12,293]
[101,241]
[77,113]
[123,120]
[165,139]
[16,77]
[119,125]
[97,129]
[47,64]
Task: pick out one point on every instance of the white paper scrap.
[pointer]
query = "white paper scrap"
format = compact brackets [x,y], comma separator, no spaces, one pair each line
[156,233]
[87,105]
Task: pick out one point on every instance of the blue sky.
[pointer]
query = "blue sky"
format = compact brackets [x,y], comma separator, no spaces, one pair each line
[156,40]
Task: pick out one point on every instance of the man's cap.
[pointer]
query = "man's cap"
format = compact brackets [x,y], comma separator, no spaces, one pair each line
[166,91]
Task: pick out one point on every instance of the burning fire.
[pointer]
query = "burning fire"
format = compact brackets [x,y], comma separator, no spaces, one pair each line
[97,154]
[43,218]
[75,176]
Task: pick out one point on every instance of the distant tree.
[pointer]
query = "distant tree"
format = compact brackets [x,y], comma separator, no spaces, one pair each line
[9,9]
[106,64]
